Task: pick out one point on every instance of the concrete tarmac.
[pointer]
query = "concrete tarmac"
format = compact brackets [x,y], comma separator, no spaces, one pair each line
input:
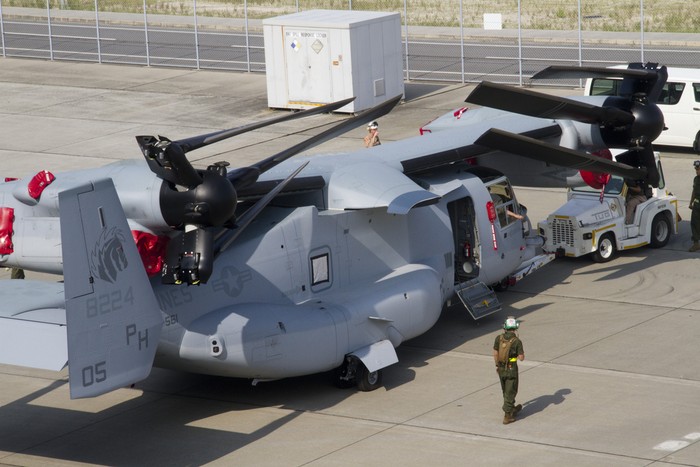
[610,377]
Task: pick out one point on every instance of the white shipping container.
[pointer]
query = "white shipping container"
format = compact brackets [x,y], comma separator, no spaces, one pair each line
[321,56]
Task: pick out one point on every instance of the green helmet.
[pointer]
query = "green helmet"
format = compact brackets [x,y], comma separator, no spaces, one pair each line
[511,323]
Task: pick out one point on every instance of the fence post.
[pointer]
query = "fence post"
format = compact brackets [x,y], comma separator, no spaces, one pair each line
[196,35]
[641,29]
[461,38]
[580,42]
[520,45]
[97,33]
[2,31]
[48,19]
[247,38]
[405,19]
[145,31]
[580,36]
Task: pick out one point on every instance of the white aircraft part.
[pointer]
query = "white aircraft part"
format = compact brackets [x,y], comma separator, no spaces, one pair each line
[113,318]
[369,185]
[33,344]
[377,356]
[33,324]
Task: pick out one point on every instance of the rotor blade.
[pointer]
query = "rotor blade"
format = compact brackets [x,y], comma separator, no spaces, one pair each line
[247,217]
[535,104]
[577,72]
[241,179]
[646,79]
[196,142]
[642,157]
[556,155]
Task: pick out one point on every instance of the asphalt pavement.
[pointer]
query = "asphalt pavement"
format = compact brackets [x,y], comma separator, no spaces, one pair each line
[610,377]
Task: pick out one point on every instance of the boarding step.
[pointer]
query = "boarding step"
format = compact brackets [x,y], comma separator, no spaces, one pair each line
[478,298]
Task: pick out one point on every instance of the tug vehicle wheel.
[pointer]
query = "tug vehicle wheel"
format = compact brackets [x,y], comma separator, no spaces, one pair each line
[606,249]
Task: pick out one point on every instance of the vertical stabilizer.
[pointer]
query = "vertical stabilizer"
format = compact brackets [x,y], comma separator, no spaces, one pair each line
[112,315]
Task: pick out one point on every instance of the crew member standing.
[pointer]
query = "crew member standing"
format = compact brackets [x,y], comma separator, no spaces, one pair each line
[507,350]
[17,273]
[372,138]
[695,209]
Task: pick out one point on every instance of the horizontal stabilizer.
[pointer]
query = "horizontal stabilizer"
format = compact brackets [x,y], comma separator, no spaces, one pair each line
[113,318]
[33,324]
[33,344]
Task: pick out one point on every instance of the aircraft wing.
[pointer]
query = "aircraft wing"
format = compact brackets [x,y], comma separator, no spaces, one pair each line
[33,324]
[412,156]
[369,185]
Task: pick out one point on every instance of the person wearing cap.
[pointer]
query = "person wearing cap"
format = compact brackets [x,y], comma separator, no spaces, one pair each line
[372,138]
[695,209]
[507,350]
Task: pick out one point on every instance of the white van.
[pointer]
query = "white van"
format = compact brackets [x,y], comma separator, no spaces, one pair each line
[679,101]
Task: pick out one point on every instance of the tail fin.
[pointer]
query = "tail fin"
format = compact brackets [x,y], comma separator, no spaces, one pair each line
[112,315]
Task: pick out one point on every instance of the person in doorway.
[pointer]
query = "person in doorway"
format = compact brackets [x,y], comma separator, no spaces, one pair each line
[507,351]
[372,138]
[695,209]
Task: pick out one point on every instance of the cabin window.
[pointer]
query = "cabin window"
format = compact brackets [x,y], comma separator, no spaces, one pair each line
[605,87]
[320,269]
[696,91]
[671,93]
[504,201]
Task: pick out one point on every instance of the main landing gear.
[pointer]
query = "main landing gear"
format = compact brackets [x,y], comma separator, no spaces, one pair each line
[353,372]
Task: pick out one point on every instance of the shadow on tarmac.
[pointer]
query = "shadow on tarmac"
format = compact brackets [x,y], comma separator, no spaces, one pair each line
[539,404]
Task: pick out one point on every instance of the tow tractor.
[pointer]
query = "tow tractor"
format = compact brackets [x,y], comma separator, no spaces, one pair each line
[593,223]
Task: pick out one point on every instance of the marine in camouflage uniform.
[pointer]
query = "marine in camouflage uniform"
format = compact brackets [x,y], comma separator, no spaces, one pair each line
[695,209]
[17,273]
[508,371]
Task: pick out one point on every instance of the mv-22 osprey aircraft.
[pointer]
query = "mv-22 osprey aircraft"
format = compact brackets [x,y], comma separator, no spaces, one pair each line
[290,266]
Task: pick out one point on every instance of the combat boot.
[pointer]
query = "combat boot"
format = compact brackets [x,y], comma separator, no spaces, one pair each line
[508,418]
[517,409]
[694,247]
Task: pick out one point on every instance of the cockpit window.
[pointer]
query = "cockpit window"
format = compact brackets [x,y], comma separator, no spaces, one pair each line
[504,201]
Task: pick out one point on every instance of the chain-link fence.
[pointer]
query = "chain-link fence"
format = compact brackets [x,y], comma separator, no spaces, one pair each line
[443,40]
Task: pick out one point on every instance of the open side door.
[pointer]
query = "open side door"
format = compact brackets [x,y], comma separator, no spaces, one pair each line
[478,298]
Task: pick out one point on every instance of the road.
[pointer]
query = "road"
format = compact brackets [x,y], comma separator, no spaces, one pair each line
[610,376]
[498,58]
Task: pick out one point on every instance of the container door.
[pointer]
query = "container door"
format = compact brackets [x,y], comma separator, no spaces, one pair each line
[308,63]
